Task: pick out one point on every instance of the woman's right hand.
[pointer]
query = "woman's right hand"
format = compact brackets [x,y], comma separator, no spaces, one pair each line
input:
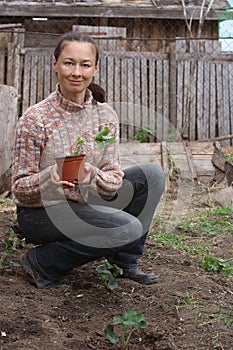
[55,178]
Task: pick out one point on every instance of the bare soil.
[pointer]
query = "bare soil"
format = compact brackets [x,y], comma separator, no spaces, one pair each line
[188,309]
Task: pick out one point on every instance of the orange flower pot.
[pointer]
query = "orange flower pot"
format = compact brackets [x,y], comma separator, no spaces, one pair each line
[71,168]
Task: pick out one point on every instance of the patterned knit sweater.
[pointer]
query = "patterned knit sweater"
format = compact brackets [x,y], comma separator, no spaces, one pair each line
[50,129]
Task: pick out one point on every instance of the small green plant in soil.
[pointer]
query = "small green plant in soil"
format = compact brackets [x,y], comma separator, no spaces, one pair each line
[129,321]
[12,243]
[225,316]
[216,265]
[108,275]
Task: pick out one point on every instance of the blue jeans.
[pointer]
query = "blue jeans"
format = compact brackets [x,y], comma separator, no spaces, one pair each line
[72,234]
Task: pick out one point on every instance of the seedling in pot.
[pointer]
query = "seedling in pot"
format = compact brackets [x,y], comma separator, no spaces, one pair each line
[99,138]
[71,167]
[79,143]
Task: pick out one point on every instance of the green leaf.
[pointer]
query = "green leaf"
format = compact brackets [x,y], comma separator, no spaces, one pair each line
[117,319]
[109,332]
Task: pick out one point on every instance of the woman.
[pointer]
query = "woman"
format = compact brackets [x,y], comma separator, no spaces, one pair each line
[109,212]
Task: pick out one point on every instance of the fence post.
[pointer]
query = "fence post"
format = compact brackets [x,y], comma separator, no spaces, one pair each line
[172,84]
[13,64]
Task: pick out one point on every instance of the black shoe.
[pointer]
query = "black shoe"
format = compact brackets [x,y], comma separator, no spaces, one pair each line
[135,274]
[37,278]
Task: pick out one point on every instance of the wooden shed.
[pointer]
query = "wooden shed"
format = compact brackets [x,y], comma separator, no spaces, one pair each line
[144,20]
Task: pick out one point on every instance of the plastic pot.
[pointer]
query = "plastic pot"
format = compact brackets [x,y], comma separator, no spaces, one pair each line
[71,168]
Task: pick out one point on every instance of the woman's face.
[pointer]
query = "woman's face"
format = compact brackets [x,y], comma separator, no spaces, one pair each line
[75,68]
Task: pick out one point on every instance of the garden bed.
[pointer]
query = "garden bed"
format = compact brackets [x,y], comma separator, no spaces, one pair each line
[190,307]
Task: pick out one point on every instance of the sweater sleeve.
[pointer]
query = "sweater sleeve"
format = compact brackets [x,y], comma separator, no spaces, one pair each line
[27,179]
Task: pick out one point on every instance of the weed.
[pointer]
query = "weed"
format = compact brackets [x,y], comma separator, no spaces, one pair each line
[227,318]
[189,301]
[229,158]
[143,133]
[6,202]
[12,243]
[109,274]
[212,222]
[176,241]
[216,265]
[130,321]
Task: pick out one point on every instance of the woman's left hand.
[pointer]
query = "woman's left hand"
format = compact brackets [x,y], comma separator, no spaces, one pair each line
[89,173]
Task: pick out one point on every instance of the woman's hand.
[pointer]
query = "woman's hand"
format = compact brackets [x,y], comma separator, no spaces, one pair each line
[89,172]
[55,178]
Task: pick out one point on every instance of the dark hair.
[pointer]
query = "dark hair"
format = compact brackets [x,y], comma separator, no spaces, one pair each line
[97,91]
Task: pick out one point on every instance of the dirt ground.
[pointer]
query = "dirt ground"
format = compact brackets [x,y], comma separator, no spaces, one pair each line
[188,309]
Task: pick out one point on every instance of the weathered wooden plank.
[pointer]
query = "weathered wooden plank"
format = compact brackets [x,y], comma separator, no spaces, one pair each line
[134,153]
[180,97]
[8,120]
[212,96]
[159,101]
[104,73]
[137,92]
[165,163]
[124,96]
[144,92]
[26,82]
[167,130]
[33,79]
[226,105]
[220,111]
[186,99]
[10,64]
[172,83]
[110,78]
[193,101]
[231,99]
[130,102]
[40,78]
[200,94]
[117,86]
[47,75]
[137,148]
[101,35]
[2,67]
[201,148]
[97,9]
[151,97]
[206,100]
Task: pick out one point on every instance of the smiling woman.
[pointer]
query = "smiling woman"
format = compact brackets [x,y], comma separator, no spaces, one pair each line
[106,213]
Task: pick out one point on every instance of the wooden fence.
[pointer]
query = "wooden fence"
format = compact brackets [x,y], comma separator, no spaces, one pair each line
[186,93]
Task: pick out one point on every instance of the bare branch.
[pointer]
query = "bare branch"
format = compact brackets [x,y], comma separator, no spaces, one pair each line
[154,2]
[203,16]
[188,24]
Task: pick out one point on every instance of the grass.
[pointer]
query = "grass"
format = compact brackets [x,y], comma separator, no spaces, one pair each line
[6,202]
[213,222]
[192,233]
